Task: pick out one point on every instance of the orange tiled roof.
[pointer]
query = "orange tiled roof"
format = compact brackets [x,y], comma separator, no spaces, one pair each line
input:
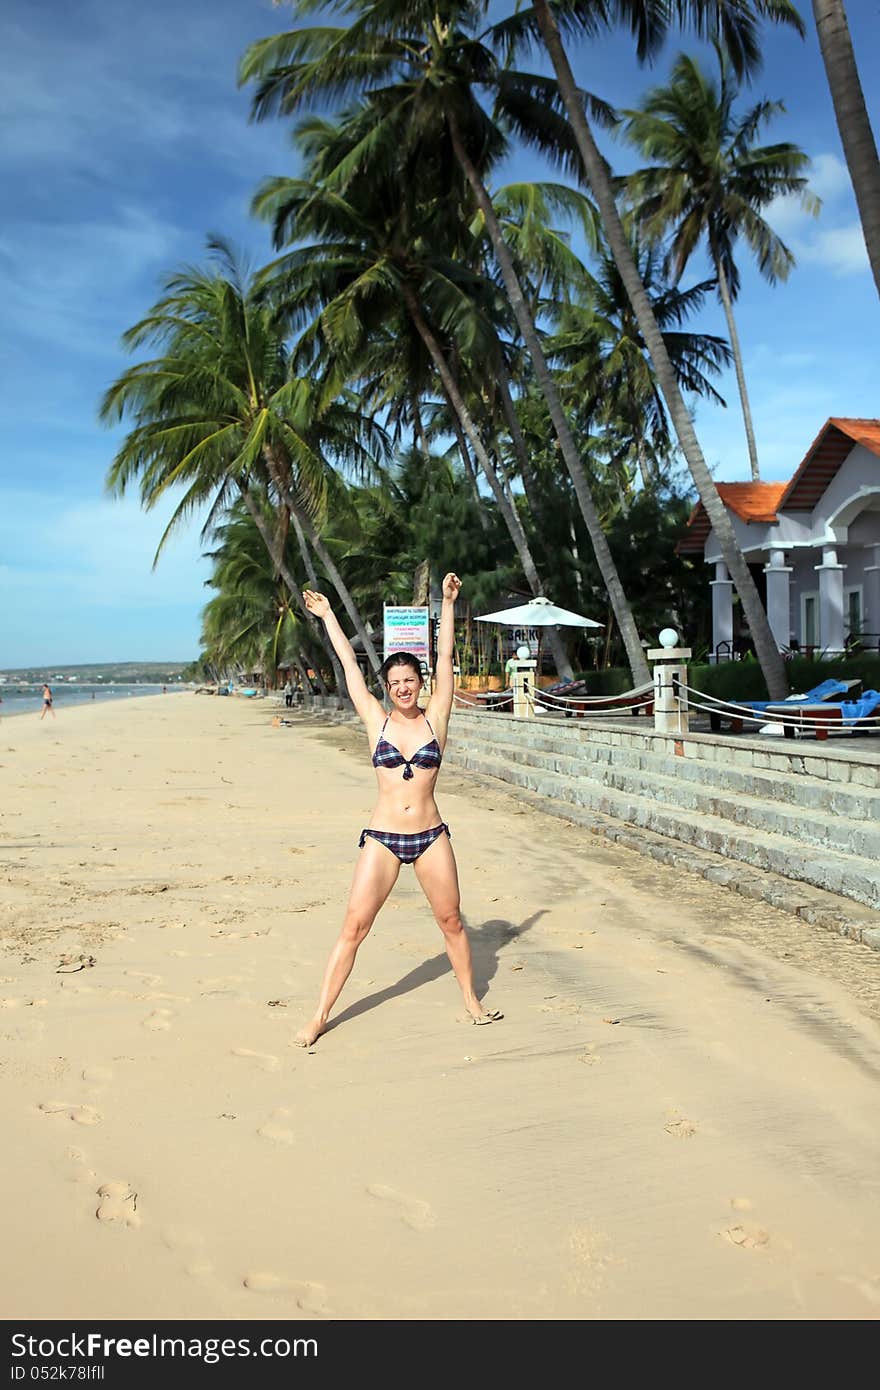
[827,452]
[750,502]
[865,432]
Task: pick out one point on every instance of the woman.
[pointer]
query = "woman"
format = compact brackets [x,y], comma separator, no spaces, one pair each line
[48,703]
[405,827]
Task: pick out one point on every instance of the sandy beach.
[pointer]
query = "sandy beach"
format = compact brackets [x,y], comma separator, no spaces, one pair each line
[678,1117]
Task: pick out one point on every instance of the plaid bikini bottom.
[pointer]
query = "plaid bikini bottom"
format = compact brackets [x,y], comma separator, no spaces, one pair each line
[406,847]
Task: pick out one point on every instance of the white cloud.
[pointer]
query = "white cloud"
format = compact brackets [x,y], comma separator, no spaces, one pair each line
[833,240]
[841,250]
[99,551]
[114,80]
[62,283]
[829,178]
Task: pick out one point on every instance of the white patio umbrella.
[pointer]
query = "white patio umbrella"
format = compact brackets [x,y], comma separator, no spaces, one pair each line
[538,612]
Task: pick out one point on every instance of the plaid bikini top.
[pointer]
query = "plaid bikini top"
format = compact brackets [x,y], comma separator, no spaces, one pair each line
[386,755]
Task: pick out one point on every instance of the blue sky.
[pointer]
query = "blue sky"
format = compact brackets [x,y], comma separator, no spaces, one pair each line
[127,142]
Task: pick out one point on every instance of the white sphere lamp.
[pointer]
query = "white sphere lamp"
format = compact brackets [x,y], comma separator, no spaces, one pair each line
[668,637]
[523,652]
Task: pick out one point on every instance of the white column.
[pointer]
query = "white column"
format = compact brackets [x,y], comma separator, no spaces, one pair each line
[522,682]
[831,628]
[670,689]
[871,615]
[722,612]
[778,598]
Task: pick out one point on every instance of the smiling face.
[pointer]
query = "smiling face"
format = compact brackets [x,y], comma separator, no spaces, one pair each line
[403,686]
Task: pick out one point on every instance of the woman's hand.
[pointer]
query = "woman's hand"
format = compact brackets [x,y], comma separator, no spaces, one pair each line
[451,587]
[316,603]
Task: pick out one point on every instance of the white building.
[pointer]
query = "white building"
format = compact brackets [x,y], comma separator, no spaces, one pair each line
[813,545]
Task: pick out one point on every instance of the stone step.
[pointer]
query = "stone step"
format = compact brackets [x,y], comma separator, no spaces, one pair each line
[851,875]
[836,760]
[821,813]
[780,782]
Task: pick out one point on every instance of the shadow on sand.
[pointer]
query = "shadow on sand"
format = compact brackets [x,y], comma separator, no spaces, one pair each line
[487,942]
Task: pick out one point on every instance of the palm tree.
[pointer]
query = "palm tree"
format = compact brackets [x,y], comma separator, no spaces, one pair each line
[219,414]
[251,622]
[851,114]
[710,180]
[423,69]
[734,23]
[607,369]
[366,263]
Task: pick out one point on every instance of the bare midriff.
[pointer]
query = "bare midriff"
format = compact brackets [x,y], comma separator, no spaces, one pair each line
[405,806]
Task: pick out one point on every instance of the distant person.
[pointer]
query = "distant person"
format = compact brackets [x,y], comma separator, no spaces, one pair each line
[288,694]
[164,689]
[405,827]
[48,703]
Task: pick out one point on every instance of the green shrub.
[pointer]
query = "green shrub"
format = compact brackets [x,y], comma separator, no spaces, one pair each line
[742,680]
[613,681]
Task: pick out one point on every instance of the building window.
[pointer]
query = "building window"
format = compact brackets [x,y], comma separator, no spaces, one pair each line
[853,600]
[810,619]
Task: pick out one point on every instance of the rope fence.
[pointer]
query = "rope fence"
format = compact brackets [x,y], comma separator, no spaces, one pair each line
[496,699]
[812,720]
[603,705]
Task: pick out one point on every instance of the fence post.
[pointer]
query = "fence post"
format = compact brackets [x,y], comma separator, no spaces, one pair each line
[670,670]
[522,681]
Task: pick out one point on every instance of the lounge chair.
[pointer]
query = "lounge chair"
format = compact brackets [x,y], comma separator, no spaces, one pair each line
[821,718]
[818,695]
[639,700]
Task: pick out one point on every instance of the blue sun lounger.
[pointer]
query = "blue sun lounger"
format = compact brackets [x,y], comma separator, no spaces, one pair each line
[825,690]
[823,718]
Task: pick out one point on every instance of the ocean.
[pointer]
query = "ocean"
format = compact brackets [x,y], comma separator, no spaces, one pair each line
[29,699]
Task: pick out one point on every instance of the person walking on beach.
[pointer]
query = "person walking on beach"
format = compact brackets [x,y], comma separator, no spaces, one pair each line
[405,827]
[288,693]
[48,706]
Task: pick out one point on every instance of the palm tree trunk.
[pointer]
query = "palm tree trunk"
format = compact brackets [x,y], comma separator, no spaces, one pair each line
[419,430]
[277,558]
[554,636]
[508,409]
[724,292]
[851,115]
[456,401]
[767,651]
[468,466]
[526,323]
[309,566]
[278,474]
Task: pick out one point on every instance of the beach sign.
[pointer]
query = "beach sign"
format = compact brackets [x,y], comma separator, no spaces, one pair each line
[407,630]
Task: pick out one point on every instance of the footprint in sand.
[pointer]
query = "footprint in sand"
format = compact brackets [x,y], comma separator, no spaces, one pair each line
[679,1127]
[747,1237]
[150,980]
[275,1128]
[97,1076]
[264,1060]
[189,1244]
[412,1210]
[589,1057]
[80,1114]
[308,1296]
[78,1168]
[118,1204]
[159,1020]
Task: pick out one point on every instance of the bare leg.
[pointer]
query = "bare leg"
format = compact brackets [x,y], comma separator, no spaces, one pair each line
[375,876]
[438,876]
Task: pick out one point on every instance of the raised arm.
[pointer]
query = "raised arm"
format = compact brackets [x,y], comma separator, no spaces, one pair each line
[367,705]
[440,704]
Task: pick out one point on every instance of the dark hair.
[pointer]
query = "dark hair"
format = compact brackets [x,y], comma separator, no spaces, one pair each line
[400,659]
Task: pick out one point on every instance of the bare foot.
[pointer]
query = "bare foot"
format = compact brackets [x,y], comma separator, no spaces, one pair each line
[480,1015]
[312,1031]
